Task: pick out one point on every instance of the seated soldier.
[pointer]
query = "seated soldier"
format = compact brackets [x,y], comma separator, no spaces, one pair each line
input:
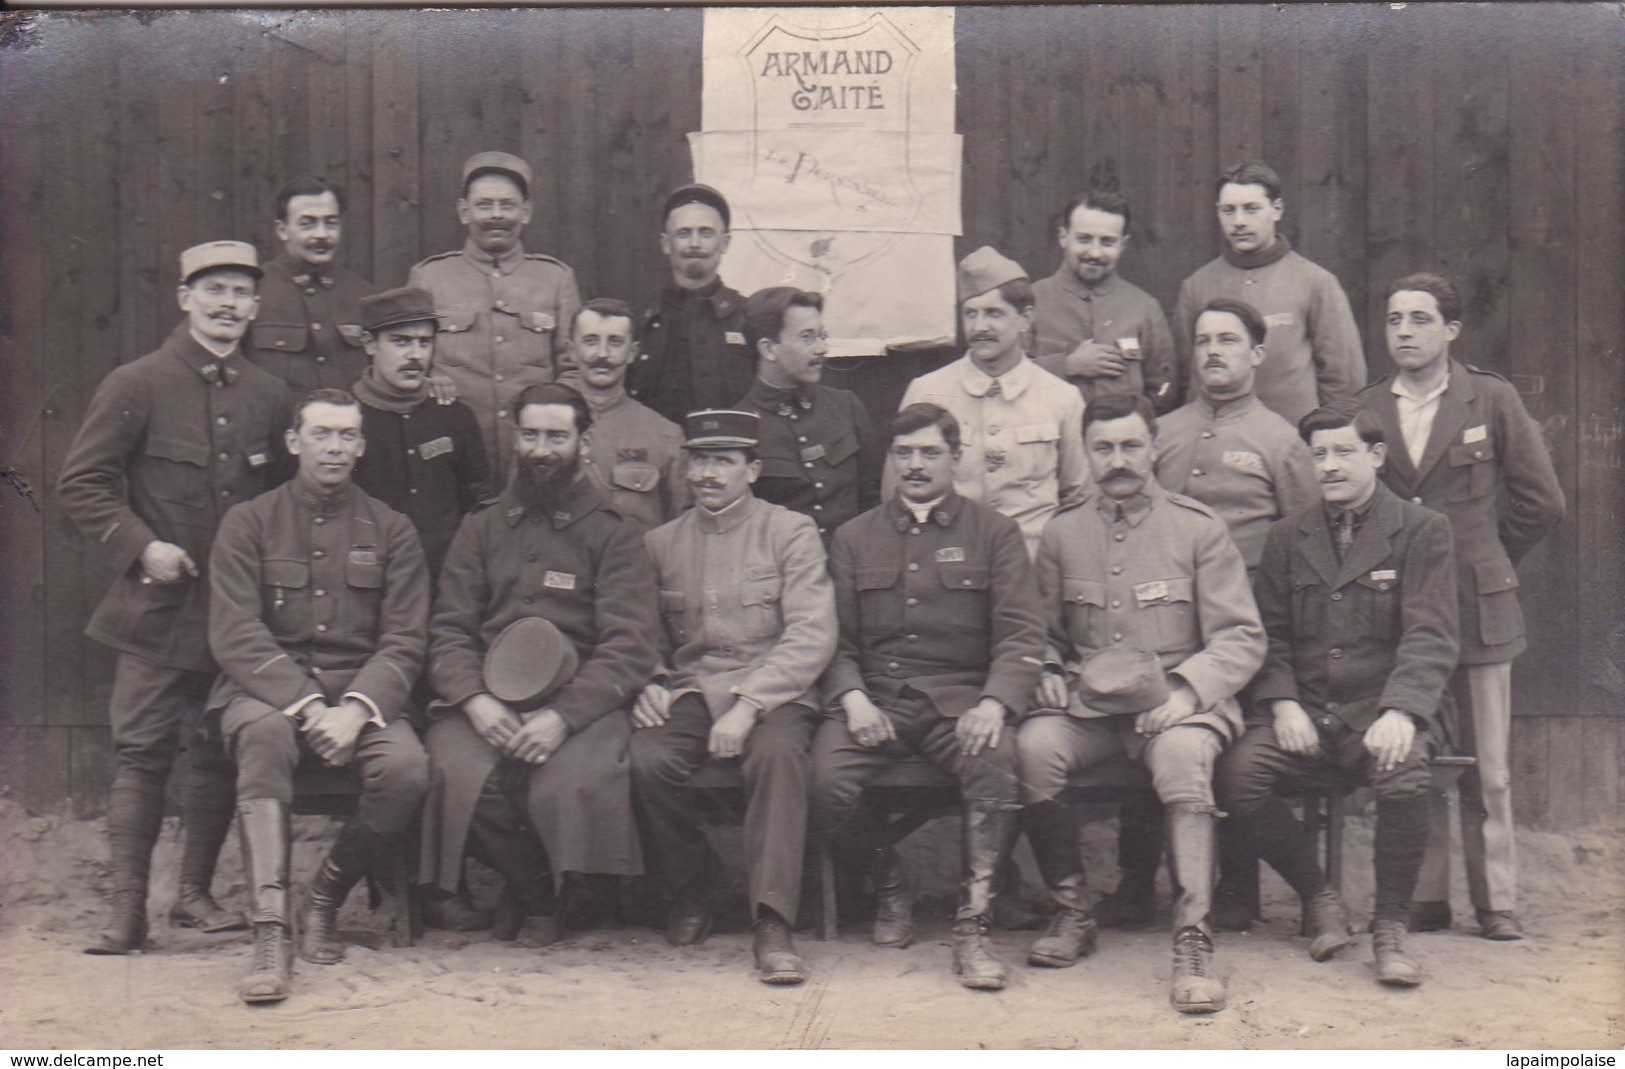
[318,614]
[1358,596]
[941,639]
[534,779]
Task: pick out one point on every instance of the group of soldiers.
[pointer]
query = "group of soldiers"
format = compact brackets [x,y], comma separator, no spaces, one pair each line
[527,563]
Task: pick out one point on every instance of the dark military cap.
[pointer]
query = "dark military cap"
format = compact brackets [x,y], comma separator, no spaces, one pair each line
[529,660]
[504,162]
[391,308]
[721,428]
[1122,680]
[695,193]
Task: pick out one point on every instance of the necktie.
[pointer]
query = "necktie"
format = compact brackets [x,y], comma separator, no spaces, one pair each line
[1344,531]
[993,389]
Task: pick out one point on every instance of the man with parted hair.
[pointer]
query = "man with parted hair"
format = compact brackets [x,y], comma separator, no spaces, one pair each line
[818,450]
[1315,354]
[503,310]
[1462,443]
[1092,327]
[318,616]
[308,332]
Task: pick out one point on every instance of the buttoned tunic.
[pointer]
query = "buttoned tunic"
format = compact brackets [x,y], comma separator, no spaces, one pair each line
[429,465]
[1023,444]
[1314,347]
[1241,460]
[692,352]
[502,327]
[1484,448]
[169,443]
[1068,312]
[818,450]
[746,604]
[308,330]
[1376,632]
[638,455]
[948,607]
[318,593]
[1160,574]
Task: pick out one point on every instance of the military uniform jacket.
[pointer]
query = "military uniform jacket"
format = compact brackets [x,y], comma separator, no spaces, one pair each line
[169,443]
[502,326]
[1483,445]
[819,453]
[746,605]
[308,330]
[318,593]
[1068,312]
[1023,444]
[429,465]
[583,568]
[692,351]
[1242,461]
[1376,632]
[948,607]
[1314,347]
[638,455]
[1159,574]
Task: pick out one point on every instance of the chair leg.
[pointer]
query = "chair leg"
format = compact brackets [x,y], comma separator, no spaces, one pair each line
[1313,821]
[1335,811]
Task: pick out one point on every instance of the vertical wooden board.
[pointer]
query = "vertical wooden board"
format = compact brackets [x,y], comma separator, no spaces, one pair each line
[448,123]
[620,134]
[90,764]
[541,42]
[573,100]
[141,275]
[324,38]
[1147,146]
[40,770]
[1101,101]
[1207,156]
[982,108]
[1171,229]
[1598,506]
[214,178]
[395,150]
[284,70]
[257,173]
[357,29]
[1400,169]
[1542,239]
[1281,31]
[1531,769]
[1602,759]
[1570,798]
[177,148]
[1241,83]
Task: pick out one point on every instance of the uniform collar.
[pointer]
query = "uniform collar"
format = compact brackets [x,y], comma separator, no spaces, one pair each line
[1136,508]
[200,358]
[779,399]
[1012,384]
[1399,389]
[1234,408]
[504,264]
[720,298]
[321,500]
[601,405]
[301,273]
[1068,280]
[726,520]
[585,496]
[943,515]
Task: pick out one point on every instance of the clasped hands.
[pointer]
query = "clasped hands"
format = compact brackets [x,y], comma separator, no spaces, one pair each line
[529,737]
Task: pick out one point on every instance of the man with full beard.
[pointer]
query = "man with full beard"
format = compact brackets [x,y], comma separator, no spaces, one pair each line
[538,792]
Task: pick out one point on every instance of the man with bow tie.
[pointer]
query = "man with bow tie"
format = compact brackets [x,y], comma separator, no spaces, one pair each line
[169,443]
[818,450]
[308,333]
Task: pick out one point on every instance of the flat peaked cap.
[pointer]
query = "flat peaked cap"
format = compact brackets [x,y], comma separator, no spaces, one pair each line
[528,661]
[505,162]
[721,428]
[1122,680]
[214,254]
[409,304]
[695,193]
[985,269]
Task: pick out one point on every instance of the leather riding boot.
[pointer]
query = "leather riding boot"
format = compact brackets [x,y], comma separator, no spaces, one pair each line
[1395,967]
[1326,925]
[1191,843]
[1139,854]
[263,828]
[776,959]
[501,840]
[988,824]
[1235,897]
[1052,829]
[1194,988]
[1397,850]
[894,907]
[135,813]
[355,850]
[211,801]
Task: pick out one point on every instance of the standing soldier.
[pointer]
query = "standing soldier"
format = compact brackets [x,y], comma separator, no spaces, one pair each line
[170,442]
[694,353]
[1464,445]
[501,308]
[941,641]
[1315,352]
[1093,327]
[319,619]
[1022,453]
[819,456]
[308,333]
[630,448]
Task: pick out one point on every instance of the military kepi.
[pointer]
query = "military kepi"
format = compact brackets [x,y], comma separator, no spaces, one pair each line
[528,661]
[391,308]
[695,193]
[1121,680]
[213,255]
[721,428]
[505,162]
[985,269]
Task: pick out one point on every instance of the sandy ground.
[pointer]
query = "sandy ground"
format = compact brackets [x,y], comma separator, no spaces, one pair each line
[1564,987]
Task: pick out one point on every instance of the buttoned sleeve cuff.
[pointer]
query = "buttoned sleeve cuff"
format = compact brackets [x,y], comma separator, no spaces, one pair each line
[377,717]
[298,707]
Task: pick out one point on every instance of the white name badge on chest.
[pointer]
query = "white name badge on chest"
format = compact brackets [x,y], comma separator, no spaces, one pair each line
[1151,593]
[950,555]
[1474,434]
[559,581]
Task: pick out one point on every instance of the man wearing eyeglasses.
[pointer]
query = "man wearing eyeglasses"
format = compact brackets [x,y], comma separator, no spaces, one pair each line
[817,449]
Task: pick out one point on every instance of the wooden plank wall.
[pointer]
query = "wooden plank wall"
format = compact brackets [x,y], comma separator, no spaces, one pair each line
[1484,141]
